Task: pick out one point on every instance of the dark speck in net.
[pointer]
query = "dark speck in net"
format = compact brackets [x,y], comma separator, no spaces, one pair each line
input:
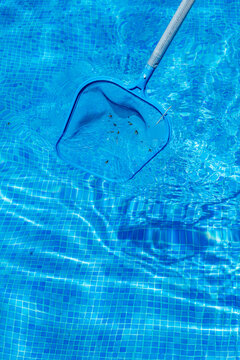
[129,122]
[106,161]
[110,115]
[114,124]
[136,132]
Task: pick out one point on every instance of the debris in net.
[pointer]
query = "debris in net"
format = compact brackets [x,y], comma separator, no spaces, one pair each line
[163,114]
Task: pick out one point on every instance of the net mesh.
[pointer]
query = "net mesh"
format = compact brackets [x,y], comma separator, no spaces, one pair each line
[112,132]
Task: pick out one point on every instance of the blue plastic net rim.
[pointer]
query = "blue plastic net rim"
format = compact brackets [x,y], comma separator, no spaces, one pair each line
[134,91]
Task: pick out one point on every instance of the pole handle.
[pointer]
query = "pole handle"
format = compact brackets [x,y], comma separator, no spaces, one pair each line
[170,33]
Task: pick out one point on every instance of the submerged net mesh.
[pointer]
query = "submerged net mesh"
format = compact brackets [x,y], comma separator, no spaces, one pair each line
[112,132]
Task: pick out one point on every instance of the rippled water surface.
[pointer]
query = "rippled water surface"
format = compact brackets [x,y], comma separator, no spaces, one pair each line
[97,270]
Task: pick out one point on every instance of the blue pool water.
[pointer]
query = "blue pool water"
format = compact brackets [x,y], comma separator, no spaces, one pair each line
[97,270]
